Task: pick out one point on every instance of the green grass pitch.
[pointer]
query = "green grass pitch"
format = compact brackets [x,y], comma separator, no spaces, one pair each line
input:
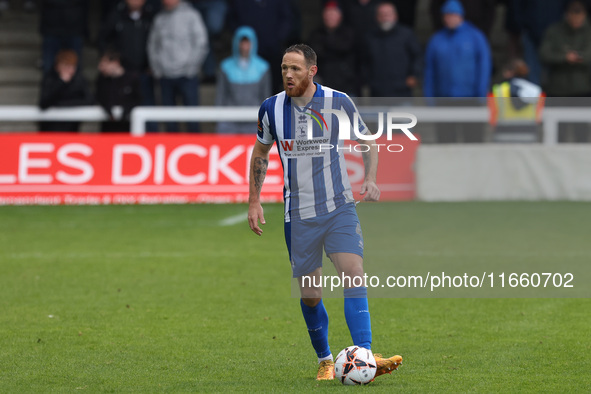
[165,299]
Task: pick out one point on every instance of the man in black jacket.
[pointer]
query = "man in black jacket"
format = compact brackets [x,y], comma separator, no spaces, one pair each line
[115,86]
[64,86]
[63,25]
[335,45]
[393,56]
[361,13]
[126,32]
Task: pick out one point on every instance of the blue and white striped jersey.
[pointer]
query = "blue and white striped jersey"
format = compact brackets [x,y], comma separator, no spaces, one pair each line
[315,176]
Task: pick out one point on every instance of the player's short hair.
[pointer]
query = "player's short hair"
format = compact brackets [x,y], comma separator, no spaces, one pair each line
[305,50]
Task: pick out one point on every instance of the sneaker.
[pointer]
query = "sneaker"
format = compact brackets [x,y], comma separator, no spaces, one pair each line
[386,365]
[325,370]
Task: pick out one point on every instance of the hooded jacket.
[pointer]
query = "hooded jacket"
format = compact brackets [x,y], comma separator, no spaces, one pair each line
[178,43]
[458,63]
[242,82]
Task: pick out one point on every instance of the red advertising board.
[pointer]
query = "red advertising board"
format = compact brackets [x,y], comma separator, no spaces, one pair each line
[51,169]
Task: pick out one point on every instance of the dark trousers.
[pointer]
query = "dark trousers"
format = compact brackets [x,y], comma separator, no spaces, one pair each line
[187,88]
[117,126]
[148,97]
[59,127]
[214,17]
[53,44]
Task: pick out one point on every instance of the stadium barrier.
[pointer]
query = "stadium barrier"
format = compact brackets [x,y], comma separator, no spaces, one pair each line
[29,113]
[141,115]
[552,116]
[504,172]
[96,169]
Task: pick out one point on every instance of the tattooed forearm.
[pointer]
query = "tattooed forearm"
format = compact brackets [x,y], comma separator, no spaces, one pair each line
[259,162]
[259,171]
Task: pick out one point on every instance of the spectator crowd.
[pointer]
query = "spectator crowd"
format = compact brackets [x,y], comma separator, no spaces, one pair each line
[159,52]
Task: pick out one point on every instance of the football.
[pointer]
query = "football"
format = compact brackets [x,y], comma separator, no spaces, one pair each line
[355,366]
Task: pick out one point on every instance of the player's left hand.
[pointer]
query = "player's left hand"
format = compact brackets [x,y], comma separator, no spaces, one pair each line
[255,215]
[370,190]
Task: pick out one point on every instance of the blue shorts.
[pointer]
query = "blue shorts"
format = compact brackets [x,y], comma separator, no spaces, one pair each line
[336,232]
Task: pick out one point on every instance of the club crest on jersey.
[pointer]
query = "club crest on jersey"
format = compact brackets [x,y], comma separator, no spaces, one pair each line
[316,116]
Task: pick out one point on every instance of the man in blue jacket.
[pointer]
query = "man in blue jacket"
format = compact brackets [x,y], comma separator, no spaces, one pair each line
[458,59]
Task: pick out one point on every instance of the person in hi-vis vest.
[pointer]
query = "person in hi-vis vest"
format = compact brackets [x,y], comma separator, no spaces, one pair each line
[516,105]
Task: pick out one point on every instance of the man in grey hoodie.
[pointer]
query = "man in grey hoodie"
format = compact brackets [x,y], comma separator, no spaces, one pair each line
[177,48]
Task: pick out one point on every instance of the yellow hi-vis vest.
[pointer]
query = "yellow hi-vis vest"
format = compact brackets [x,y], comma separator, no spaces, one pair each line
[502,110]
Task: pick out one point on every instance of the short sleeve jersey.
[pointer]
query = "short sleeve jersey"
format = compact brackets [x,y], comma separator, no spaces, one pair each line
[314,169]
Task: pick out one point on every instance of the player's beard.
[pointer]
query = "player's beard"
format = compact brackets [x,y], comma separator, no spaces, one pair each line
[298,90]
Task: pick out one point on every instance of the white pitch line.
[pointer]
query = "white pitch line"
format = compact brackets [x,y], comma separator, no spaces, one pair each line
[232,220]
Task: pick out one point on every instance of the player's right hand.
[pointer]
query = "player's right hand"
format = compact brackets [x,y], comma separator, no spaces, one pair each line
[255,214]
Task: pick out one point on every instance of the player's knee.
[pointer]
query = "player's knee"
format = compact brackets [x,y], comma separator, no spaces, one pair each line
[311,302]
[355,273]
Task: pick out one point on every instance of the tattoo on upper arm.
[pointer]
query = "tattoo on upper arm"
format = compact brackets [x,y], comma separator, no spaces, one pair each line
[259,171]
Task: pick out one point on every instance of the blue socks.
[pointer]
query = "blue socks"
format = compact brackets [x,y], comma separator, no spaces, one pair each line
[357,316]
[317,322]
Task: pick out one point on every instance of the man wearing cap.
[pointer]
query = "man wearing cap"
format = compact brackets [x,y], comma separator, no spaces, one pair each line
[458,59]
[480,13]
[457,64]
